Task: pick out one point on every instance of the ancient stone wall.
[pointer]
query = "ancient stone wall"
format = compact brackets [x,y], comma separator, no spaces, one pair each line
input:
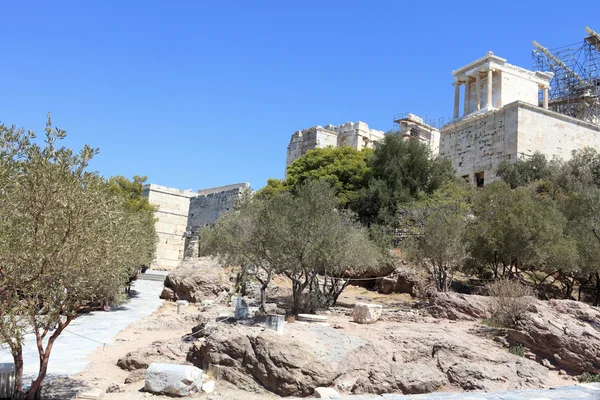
[181,213]
[479,143]
[172,215]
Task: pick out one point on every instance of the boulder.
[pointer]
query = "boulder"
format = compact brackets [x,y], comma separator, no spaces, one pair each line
[172,379]
[366,313]
[387,285]
[566,333]
[456,306]
[196,280]
[285,367]
[409,282]
[174,351]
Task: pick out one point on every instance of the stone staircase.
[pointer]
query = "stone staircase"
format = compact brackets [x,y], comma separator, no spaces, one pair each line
[152,275]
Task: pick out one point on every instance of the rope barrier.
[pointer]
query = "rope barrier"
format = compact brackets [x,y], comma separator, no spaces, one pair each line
[77,334]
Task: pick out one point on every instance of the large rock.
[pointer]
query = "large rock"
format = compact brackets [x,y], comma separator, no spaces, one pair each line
[456,306]
[174,351]
[286,367]
[172,379]
[366,313]
[564,332]
[196,280]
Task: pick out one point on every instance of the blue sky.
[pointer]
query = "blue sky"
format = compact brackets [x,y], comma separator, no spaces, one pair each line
[196,94]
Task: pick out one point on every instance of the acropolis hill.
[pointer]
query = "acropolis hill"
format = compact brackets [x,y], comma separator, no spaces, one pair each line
[501,112]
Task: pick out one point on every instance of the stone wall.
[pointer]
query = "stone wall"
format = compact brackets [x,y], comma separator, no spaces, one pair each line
[479,143]
[172,215]
[181,213]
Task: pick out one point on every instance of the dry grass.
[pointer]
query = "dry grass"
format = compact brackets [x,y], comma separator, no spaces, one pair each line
[510,301]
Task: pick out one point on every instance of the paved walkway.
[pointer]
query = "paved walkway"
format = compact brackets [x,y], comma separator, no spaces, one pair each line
[586,391]
[69,353]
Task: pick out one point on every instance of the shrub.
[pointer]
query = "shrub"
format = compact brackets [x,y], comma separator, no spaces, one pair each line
[510,300]
[586,377]
[518,350]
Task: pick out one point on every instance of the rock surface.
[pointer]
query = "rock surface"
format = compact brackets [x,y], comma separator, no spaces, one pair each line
[172,379]
[456,306]
[562,334]
[366,313]
[399,357]
[174,351]
[196,280]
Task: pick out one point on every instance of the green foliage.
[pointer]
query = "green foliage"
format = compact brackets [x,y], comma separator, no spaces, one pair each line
[67,240]
[518,350]
[438,225]
[403,171]
[344,168]
[526,171]
[511,228]
[304,236]
[273,187]
[587,377]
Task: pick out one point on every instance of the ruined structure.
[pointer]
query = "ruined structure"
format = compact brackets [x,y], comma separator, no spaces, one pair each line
[502,119]
[356,135]
[181,213]
[412,127]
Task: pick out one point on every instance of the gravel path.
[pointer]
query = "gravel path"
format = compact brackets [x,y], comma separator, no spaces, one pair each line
[74,345]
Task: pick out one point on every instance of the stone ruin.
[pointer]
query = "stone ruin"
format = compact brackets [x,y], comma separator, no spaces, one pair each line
[181,213]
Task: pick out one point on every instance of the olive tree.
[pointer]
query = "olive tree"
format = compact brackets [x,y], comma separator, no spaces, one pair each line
[66,241]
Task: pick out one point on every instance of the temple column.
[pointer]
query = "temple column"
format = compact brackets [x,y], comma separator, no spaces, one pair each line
[545,97]
[467,95]
[456,98]
[477,92]
[489,89]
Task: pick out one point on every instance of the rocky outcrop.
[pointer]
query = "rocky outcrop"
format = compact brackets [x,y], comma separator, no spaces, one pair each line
[174,351]
[409,360]
[196,280]
[564,332]
[285,367]
[456,306]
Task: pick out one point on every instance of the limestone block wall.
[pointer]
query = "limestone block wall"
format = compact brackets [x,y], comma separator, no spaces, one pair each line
[209,204]
[173,206]
[553,134]
[480,143]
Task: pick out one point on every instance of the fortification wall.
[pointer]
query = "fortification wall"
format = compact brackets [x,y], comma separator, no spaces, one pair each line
[553,134]
[480,143]
[211,203]
[173,208]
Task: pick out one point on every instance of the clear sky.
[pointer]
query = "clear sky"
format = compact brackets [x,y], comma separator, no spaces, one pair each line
[196,94]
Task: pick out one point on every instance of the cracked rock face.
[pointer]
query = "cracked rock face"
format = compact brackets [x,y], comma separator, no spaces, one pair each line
[563,334]
[196,281]
[419,359]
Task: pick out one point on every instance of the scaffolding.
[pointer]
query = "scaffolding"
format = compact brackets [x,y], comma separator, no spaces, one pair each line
[575,87]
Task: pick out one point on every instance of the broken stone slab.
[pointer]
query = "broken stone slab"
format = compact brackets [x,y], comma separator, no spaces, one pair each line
[173,379]
[92,394]
[311,318]
[206,303]
[365,313]
[275,322]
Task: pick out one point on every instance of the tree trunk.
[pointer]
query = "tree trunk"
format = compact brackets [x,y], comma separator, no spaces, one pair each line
[18,393]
